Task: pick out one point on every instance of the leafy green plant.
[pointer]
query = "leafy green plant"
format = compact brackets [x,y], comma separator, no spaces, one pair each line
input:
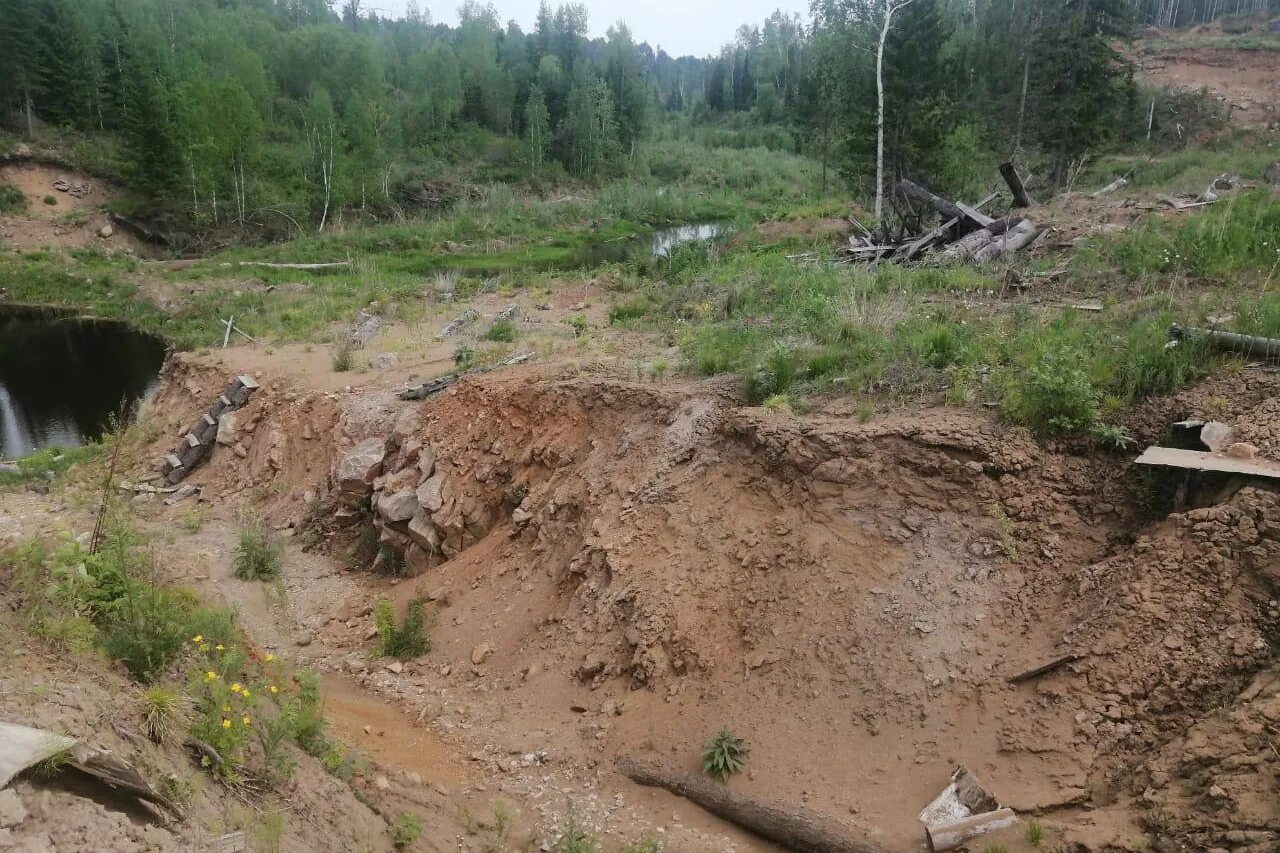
[50,200]
[579,325]
[503,331]
[463,357]
[724,755]
[12,199]
[1054,395]
[257,556]
[410,638]
[1034,832]
[405,829]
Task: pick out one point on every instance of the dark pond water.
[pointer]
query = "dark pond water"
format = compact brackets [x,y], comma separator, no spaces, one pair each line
[62,378]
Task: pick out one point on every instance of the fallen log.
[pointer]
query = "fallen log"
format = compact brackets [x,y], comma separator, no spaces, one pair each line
[456,325]
[949,210]
[793,829]
[1250,346]
[435,386]
[970,244]
[1117,184]
[329,265]
[1011,241]
[1020,197]
[930,237]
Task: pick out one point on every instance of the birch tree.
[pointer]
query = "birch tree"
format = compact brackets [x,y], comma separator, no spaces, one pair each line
[887,9]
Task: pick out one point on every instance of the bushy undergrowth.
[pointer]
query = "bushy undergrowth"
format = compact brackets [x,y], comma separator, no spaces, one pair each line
[201,678]
[411,637]
[12,199]
[257,555]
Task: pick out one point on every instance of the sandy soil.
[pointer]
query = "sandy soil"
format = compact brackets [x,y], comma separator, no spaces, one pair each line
[70,222]
[1247,82]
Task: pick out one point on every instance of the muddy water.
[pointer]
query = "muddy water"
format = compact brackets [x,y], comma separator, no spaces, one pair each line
[63,378]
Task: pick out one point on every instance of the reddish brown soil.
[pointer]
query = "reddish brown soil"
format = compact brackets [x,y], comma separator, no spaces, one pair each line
[70,222]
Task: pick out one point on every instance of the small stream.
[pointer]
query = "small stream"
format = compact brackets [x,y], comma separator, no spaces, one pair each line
[63,378]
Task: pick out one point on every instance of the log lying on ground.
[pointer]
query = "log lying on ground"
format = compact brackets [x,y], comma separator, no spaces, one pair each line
[1117,184]
[1015,238]
[948,209]
[435,386]
[1020,197]
[1250,346]
[795,830]
[970,244]
[330,265]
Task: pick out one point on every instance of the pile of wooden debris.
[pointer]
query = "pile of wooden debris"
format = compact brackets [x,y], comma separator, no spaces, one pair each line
[965,234]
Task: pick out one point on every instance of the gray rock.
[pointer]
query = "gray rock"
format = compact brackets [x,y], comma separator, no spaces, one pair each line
[435,493]
[304,638]
[384,361]
[399,506]
[481,653]
[1215,435]
[12,811]
[106,231]
[423,532]
[360,467]
[406,425]
[382,783]
[427,460]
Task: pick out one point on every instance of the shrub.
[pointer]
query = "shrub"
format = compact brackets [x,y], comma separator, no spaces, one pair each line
[627,311]
[410,638]
[1053,396]
[257,555]
[343,359]
[145,629]
[305,716]
[503,331]
[579,325]
[725,754]
[1035,832]
[50,200]
[575,839]
[405,830]
[162,713]
[11,199]
[463,357]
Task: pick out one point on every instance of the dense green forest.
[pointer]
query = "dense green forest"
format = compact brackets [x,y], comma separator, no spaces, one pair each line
[222,107]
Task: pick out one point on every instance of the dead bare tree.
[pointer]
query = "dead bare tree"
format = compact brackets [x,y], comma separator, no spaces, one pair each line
[888,8]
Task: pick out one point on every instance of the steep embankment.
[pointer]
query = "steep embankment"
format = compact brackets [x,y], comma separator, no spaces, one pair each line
[623,568]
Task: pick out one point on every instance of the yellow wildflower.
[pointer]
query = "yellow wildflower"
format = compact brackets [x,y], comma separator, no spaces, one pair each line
[270,657]
[220,647]
[245,693]
[226,709]
[244,720]
[226,724]
[203,647]
[211,675]
[236,688]
[275,689]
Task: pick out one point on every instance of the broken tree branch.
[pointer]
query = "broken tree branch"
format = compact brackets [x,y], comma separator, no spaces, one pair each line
[1019,190]
[1043,669]
[331,265]
[1011,241]
[949,210]
[795,830]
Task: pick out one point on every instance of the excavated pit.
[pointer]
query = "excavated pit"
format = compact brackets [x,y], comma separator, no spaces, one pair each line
[623,568]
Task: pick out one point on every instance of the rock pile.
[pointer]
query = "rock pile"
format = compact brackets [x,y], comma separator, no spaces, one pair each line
[420,516]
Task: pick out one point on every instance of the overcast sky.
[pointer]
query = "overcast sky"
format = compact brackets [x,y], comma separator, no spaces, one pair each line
[697,27]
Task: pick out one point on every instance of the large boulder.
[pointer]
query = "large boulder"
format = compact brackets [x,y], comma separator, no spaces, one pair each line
[360,467]
[423,532]
[398,506]
[435,493]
